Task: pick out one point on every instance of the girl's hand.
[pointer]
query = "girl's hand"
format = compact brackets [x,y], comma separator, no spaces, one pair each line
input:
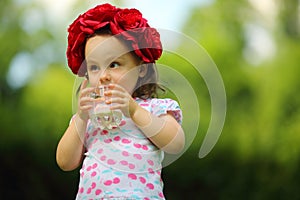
[119,98]
[85,102]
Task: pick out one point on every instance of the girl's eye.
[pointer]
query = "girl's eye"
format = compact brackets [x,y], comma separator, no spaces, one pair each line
[94,68]
[114,65]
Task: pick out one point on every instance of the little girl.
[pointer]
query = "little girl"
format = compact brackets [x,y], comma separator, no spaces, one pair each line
[116,48]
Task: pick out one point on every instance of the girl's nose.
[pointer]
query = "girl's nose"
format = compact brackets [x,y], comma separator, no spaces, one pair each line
[105,77]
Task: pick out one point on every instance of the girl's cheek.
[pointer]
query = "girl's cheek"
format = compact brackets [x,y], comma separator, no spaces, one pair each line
[116,78]
[94,79]
[93,83]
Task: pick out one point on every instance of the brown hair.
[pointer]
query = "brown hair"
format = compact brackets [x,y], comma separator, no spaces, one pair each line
[147,86]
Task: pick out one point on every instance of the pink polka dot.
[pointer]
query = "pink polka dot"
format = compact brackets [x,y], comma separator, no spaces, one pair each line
[117,138]
[123,122]
[108,182]
[95,133]
[81,190]
[161,195]
[146,198]
[138,156]
[125,153]
[131,166]
[94,165]
[89,190]
[132,176]
[150,186]
[124,162]
[89,168]
[116,180]
[103,158]
[137,145]
[126,141]
[108,140]
[104,132]
[100,151]
[150,170]
[150,162]
[142,180]
[93,174]
[111,162]
[93,185]
[145,147]
[98,192]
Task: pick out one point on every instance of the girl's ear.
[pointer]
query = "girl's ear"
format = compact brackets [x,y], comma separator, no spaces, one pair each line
[143,70]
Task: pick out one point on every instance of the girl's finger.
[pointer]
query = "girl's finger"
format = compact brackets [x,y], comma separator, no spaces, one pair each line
[86,107]
[116,87]
[83,84]
[86,92]
[115,93]
[111,86]
[86,99]
[116,90]
[115,100]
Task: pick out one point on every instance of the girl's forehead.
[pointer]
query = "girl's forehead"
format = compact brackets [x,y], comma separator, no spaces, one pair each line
[104,46]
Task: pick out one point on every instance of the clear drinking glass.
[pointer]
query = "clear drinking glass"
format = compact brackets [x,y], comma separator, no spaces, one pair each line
[101,115]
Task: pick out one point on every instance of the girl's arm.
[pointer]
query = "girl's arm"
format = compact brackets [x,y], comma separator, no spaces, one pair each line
[164,131]
[70,148]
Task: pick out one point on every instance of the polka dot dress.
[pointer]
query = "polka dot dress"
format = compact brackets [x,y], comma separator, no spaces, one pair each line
[121,163]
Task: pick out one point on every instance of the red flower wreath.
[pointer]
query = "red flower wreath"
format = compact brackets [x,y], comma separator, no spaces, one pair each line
[128,23]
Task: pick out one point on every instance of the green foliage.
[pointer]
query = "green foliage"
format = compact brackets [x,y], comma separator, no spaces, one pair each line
[257,154]
[49,92]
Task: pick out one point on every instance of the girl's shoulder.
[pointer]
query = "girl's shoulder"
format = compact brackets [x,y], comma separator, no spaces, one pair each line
[162,106]
[155,100]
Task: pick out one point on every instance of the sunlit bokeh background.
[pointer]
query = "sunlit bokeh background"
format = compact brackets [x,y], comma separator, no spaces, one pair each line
[254,43]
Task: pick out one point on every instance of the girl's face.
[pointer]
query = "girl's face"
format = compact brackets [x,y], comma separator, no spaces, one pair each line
[109,61]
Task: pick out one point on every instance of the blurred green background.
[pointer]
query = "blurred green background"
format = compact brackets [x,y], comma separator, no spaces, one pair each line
[256,46]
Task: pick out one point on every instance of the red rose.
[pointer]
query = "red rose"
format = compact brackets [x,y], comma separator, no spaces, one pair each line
[99,16]
[147,44]
[151,45]
[127,23]
[83,26]
[133,27]
[128,19]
